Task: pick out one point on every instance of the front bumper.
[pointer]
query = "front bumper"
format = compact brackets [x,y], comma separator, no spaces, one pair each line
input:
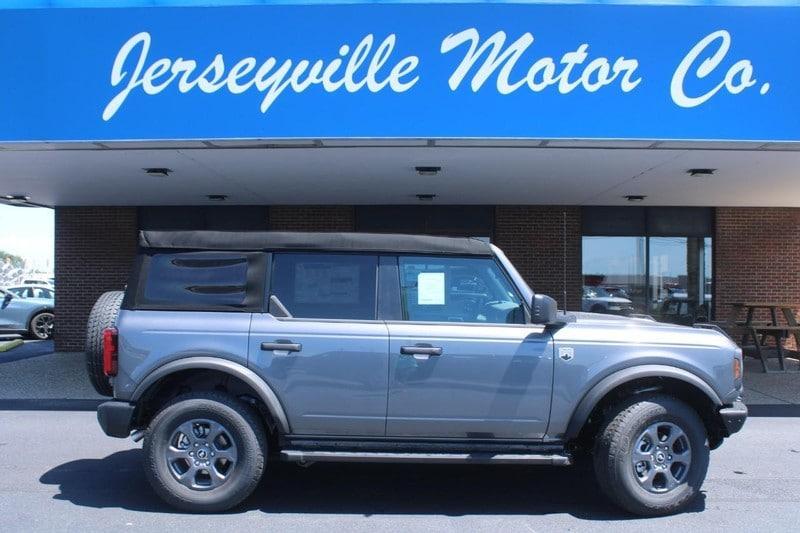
[116,418]
[734,416]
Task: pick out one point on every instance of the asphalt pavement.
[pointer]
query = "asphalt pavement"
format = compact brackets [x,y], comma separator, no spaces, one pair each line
[61,473]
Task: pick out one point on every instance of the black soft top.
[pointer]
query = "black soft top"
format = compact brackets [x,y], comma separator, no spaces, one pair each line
[289,240]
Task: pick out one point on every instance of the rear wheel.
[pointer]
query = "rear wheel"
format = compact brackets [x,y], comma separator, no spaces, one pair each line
[103,315]
[205,452]
[41,326]
[651,455]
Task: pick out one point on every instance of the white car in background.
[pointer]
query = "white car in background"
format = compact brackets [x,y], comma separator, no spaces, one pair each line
[601,300]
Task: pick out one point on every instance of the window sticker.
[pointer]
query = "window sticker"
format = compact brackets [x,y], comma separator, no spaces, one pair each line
[430,288]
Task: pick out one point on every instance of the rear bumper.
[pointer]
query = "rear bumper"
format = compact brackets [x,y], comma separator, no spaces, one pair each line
[734,416]
[116,418]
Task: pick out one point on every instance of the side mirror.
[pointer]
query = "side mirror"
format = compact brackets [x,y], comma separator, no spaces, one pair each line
[544,310]
[7,299]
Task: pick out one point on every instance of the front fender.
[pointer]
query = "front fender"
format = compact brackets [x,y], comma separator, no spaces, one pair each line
[262,389]
[598,391]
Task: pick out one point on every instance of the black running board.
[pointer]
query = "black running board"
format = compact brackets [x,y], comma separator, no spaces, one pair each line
[307,457]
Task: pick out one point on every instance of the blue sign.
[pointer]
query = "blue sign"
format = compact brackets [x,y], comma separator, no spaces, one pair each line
[401,70]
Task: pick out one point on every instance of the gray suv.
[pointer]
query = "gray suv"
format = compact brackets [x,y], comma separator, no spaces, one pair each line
[229,350]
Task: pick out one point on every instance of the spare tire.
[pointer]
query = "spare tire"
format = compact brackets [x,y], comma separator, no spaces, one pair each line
[103,315]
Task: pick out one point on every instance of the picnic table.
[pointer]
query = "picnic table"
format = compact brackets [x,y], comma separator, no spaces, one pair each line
[760,331]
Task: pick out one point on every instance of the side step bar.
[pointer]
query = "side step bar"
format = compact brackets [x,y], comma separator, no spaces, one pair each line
[307,457]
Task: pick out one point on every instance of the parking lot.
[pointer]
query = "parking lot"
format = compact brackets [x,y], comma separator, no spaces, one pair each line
[67,475]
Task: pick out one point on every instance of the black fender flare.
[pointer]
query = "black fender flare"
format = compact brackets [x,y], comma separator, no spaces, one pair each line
[261,387]
[620,377]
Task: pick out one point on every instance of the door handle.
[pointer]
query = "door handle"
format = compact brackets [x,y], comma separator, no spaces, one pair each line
[421,349]
[281,346]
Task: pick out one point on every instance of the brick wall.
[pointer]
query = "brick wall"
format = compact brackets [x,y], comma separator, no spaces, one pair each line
[757,256]
[94,250]
[312,218]
[532,238]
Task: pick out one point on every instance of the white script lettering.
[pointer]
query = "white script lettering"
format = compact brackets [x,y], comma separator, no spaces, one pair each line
[542,74]
[271,77]
[738,77]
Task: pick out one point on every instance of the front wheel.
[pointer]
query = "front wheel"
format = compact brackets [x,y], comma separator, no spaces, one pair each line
[651,455]
[205,452]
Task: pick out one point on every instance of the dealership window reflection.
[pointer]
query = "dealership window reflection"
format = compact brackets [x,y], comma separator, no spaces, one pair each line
[668,278]
[613,273]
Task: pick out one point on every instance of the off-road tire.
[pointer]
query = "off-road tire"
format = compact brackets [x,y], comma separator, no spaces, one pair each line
[103,315]
[614,443]
[248,433]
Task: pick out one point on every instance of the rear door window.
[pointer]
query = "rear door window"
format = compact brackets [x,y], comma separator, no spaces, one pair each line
[206,280]
[323,285]
[40,292]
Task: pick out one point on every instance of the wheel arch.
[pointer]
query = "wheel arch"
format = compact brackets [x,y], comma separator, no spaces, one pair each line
[199,364]
[36,312]
[39,311]
[689,387]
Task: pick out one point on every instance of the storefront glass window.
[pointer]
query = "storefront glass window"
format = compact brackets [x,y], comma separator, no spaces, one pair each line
[614,274]
[668,278]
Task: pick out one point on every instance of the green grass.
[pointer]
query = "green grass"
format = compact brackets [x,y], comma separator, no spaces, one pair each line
[6,346]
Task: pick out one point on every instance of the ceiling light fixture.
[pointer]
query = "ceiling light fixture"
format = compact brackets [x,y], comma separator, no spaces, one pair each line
[694,172]
[635,197]
[158,171]
[425,197]
[217,197]
[428,171]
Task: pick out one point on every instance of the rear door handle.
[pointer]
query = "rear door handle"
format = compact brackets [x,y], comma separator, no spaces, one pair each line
[421,349]
[281,346]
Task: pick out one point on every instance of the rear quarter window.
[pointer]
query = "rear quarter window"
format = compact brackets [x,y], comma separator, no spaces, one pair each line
[205,280]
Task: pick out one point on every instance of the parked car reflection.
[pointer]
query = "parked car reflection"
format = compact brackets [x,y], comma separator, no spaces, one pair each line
[678,308]
[609,300]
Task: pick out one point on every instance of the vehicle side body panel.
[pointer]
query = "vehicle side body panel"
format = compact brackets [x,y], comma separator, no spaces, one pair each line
[491,381]
[150,339]
[603,345]
[336,384]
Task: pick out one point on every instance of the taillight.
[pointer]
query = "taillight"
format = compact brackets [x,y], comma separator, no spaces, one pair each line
[110,351]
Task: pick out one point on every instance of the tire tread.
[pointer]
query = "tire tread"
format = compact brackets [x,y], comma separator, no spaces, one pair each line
[103,315]
[252,421]
[613,440]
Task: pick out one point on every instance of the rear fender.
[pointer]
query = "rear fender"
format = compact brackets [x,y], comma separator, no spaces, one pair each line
[259,386]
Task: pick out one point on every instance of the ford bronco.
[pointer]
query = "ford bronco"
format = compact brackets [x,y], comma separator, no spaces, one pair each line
[228,350]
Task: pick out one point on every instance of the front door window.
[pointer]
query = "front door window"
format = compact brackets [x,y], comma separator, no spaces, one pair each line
[444,289]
